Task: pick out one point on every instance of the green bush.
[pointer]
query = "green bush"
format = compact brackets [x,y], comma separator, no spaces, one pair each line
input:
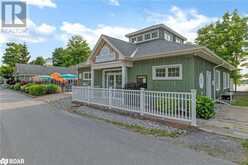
[37,89]
[17,86]
[25,87]
[204,107]
[52,88]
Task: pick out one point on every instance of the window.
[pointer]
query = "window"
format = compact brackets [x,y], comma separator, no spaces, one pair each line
[140,38]
[105,55]
[155,34]
[167,72]
[178,40]
[224,80]
[217,80]
[167,36]
[147,36]
[174,72]
[86,76]
[228,80]
[133,40]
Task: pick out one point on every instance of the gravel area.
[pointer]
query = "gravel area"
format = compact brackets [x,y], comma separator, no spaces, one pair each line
[215,145]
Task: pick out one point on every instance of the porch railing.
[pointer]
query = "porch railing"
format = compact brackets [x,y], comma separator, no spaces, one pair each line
[172,105]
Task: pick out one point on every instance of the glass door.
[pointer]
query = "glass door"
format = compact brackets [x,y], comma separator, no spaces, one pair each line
[114,80]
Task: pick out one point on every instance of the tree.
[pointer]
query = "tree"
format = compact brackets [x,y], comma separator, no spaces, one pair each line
[6,71]
[15,53]
[24,54]
[39,61]
[228,39]
[76,51]
[58,57]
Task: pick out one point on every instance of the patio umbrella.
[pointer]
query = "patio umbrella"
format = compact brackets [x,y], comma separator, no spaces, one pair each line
[57,77]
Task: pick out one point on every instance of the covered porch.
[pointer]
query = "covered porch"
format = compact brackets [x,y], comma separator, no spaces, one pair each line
[110,75]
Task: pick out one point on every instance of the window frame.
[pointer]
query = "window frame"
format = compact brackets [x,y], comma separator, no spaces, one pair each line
[227,80]
[178,40]
[154,77]
[217,79]
[167,36]
[84,76]
[224,80]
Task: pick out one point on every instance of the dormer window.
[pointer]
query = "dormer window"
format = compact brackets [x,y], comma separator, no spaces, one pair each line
[178,40]
[167,36]
[147,36]
[133,40]
[140,38]
[155,34]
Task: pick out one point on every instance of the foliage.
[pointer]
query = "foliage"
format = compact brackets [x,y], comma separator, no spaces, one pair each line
[52,88]
[76,51]
[228,39]
[37,89]
[17,86]
[25,88]
[240,100]
[204,107]
[6,71]
[15,53]
[39,61]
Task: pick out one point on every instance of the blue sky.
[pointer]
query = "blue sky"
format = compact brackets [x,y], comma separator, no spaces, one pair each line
[52,22]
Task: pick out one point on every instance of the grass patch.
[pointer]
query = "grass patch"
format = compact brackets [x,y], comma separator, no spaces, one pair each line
[241,101]
[134,127]
[244,144]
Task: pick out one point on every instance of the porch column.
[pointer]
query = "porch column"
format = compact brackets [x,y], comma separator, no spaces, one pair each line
[124,75]
[92,77]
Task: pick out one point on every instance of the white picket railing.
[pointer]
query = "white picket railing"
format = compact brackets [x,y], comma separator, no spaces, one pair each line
[171,105]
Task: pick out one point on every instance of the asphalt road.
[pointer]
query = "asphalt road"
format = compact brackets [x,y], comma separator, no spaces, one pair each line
[41,135]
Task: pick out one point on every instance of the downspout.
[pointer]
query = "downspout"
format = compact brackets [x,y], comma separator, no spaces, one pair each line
[215,79]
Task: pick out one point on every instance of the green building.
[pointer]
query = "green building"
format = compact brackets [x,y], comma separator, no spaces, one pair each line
[158,57]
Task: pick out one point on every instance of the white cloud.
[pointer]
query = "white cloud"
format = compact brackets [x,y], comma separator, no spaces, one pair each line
[41,3]
[92,34]
[185,22]
[114,2]
[45,28]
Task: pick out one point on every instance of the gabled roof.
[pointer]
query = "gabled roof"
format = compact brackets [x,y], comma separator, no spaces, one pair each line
[41,70]
[158,48]
[124,47]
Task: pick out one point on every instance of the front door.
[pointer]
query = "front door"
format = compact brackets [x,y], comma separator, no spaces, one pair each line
[208,84]
[114,80]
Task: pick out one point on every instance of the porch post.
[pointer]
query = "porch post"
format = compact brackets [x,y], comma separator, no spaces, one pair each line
[92,78]
[123,75]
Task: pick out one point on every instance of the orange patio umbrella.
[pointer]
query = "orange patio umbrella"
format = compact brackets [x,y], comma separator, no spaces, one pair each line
[57,77]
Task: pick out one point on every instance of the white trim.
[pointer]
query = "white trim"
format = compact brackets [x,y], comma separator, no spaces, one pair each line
[106,70]
[217,83]
[84,75]
[166,76]
[143,37]
[112,64]
[224,80]
[228,81]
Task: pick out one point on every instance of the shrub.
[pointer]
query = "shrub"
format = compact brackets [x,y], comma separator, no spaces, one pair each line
[17,86]
[24,88]
[24,82]
[52,88]
[204,107]
[37,89]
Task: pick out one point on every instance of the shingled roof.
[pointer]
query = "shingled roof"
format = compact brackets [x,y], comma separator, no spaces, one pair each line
[41,70]
[146,48]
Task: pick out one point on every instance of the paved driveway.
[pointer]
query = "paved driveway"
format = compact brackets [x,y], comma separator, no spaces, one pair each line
[229,120]
[42,135]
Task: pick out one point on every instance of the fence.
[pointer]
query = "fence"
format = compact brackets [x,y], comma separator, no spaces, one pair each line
[172,105]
